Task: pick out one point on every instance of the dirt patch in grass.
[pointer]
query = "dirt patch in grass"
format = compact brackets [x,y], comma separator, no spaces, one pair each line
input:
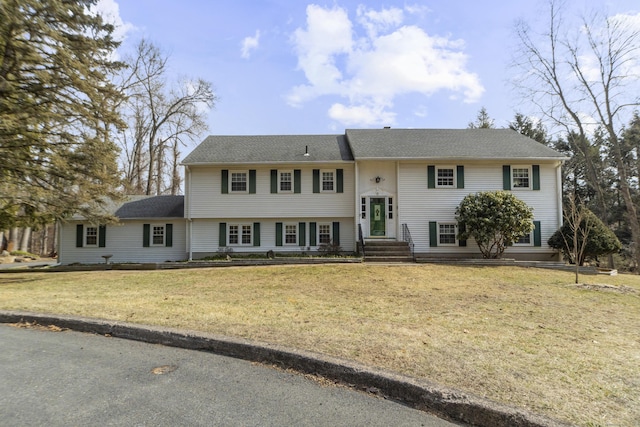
[525,337]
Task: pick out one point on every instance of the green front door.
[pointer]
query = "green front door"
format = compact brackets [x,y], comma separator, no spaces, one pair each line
[378,217]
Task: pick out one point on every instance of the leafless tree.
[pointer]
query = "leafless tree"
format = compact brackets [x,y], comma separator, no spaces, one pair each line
[582,77]
[161,118]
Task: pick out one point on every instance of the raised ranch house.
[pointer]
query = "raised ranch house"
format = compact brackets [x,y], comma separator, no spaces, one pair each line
[294,193]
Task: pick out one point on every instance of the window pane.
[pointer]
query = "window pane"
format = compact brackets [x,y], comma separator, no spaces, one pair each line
[447,234]
[327,181]
[290,234]
[239,181]
[524,240]
[233,234]
[246,234]
[520,178]
[285,181]
[92,236]
[158,235]
[445,177]
[324,233]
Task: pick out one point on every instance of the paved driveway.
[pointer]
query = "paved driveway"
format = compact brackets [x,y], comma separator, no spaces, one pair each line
[71,378]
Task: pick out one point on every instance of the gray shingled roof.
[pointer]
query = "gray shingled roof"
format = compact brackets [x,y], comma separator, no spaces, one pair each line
[151,207]
[446,144]
[270,149]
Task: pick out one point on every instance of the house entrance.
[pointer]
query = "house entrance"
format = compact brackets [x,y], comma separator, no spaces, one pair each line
[378,219]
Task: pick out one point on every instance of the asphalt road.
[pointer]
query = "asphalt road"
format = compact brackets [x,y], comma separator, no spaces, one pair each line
[78,379]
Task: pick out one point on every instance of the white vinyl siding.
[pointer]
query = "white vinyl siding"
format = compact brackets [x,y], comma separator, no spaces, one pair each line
[124,242]
[205,201]
[417,206]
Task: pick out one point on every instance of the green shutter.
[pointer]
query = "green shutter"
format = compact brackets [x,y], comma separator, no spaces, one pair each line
[102,236]
[79,235]
[336,233]
[537,235]
[225,181]
[302,231]
[460,177]
[297,181]
[536,177]
[168,238]
[339,181]
[506,177]
[431,177]
[316,180]
[222,234]
[256,234]
[312,234]
[462,229]
[433,234]
[278,234]
[252,181]
[274,181]
[146,231]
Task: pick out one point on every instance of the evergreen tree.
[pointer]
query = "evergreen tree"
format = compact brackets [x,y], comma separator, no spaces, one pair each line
[483,121]
[57,107]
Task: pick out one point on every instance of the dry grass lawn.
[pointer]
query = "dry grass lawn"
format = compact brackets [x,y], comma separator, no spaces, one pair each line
[524,337]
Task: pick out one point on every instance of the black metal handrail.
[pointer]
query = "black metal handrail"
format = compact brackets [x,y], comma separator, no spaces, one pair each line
[406,237]
[361,238]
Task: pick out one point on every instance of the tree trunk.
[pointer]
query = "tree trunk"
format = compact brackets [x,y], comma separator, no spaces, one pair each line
[24,241]
[13,238]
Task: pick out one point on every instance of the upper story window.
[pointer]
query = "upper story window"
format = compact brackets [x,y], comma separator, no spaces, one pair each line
[445,177]
[521,177]
[286,181]
[239,181]
[91,236]
[328,178]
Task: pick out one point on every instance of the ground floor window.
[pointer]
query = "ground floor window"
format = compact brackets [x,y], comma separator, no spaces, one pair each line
[324,233]
[91,236]
[240,234]
[446,234]
[158,235]
[291,234]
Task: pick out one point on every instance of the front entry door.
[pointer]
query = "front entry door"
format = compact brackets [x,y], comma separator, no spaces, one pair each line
[378,219]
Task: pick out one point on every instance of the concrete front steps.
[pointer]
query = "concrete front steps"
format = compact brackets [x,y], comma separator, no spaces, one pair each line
[384,250]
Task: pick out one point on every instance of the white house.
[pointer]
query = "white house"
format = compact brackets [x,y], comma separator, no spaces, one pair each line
[293,193]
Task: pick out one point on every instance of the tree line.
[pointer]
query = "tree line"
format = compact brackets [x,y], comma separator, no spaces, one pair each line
[79,127]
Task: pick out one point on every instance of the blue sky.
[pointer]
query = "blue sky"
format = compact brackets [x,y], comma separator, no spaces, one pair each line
[296,67]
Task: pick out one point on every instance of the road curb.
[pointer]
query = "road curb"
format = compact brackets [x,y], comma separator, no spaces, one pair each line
[421,394]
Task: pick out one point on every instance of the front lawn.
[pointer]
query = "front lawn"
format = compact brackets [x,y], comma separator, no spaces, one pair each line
[526,337]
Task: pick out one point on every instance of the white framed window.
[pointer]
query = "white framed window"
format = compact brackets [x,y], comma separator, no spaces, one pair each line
[239,182]
[447,234]
[327,181]
[290,234]
[157,235]
[445,177]
[521,177]
[240,234]
[285,181]
[324,233]
[524,240]
[91,236]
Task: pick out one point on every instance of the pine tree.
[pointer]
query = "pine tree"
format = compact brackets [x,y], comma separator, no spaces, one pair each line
[57,107]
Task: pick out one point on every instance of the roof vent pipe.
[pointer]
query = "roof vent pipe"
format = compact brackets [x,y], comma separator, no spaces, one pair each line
[387,127]
[306,151]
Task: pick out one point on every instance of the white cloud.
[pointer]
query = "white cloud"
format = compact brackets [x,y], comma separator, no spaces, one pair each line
[250,44]
[110,11]
[370,69]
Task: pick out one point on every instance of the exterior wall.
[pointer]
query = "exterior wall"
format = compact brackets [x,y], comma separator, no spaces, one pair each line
[206,235]
[418,205]
[125,242]
[205,198]
[206,207]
